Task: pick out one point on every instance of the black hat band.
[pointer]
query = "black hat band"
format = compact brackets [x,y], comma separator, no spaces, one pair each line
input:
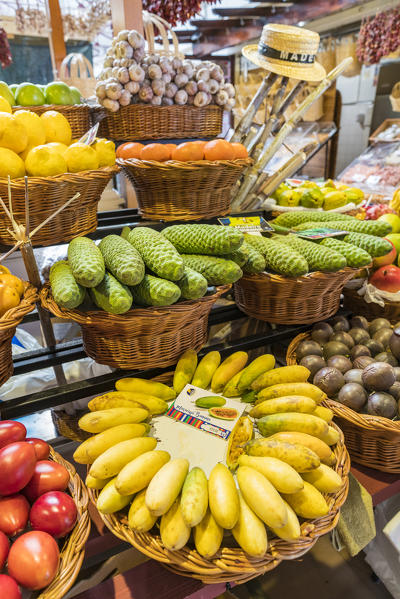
[298,57]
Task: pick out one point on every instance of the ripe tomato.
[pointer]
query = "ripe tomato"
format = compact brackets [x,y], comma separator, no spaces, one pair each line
[11,431]
[9,588]
[14,513]
[4,549]
[54,512]
[17,464]
[33,560]
[48,476]
[42,449]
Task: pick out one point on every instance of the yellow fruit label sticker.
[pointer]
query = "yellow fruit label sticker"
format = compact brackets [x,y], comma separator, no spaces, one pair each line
[246,224]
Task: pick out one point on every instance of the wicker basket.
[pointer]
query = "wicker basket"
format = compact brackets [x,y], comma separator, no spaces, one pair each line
[46,195]
[176,190]
[78,115]
[73,551]
[8,323]
[142,121]
[231,564]
[356,303]
[284,300]
[143,337]
[371,440]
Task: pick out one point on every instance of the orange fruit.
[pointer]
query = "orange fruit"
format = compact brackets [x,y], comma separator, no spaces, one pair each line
[200,143]
[240,150]
[188,151]
[219,149]
[12,281]
[9,298]
[170,147]
[130,149]
[157,152]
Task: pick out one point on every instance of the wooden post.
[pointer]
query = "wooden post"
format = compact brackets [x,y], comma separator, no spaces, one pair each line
[56,35]
[126,14]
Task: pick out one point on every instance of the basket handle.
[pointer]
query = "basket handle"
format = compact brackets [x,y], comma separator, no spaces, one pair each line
[79,67]
[150,20]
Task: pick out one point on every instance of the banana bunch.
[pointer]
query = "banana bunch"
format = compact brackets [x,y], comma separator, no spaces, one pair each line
[269,483]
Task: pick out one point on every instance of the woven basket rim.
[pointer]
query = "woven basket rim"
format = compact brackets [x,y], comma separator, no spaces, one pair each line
[99,107]
[51,106]
[233,564]
[198,164]
[102,317]
[73,550]
[14,316]
[353,292]
[317,274]
[20,182]
[365,421]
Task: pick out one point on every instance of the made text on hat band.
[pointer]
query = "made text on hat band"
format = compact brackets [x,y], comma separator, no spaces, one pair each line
[300,58]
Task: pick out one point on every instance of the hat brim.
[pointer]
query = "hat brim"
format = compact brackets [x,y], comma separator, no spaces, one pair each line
[315,72]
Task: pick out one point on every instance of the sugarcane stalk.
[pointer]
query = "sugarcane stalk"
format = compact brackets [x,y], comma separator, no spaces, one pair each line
[250,112]
[288,169]
[250,137]
[251,176]
[290,98]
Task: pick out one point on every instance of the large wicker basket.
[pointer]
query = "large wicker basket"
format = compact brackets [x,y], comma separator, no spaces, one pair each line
[142,337]
[8,323]
[73,551]
[176,190]
[46,195]
[231,564]
[373,441]
[357,304]
[143,121]
[284,300]
[78,115]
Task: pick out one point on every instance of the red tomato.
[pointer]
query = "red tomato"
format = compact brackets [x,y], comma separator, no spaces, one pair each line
[17,464]
[42,449]
[4,549]
[33,560]
[11,431]
[54,512]
[9,588]
[48,476]
[14,513]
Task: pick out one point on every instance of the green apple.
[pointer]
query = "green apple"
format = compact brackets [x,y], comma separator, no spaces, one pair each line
[393,220]
[76,95]
[395,239]
[28,94]
[6,93]
[58,92]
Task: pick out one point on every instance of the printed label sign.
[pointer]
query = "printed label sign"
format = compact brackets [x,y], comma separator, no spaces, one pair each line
[246,224]
[319,233]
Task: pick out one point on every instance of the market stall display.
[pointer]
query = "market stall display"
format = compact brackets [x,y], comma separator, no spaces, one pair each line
[296,467]
[309,195]
[356,364]
[40,488]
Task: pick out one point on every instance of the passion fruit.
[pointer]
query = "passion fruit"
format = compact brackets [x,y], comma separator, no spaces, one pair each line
[353,376]
[383,336]
[330,380]
[382,404]
[363,361]
[353,395]
[342,337]
[374,346]
[340,323]
[359,322]
[394,342]
[378,376]
[340,362]
[335,348]
[321,332]
[395,390]
[378,323]
[359,335]
[308,348]
[397,372]
[386,357]
[313,363]
[359,350]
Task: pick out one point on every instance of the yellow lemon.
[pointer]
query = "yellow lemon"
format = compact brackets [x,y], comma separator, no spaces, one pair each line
[13,134]
[56,127]
[11,164]
[56,146]
[44,162]
[4,105]
[105,150]
[33,126]
[81,157]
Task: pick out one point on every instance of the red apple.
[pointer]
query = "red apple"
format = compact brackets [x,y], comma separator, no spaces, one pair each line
[55,513]
[14,513]
[48,476]
[388,258]
[4,549]
[386,278]
[17,464]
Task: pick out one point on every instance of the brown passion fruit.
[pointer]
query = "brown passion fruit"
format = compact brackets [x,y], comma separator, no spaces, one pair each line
[342,337]
[340,362]
[359,350]
[363,361]
[308,348]
[321,332]
[359,322]
[340,323]
[359,335]
[313,363]
[335,348]
[374,346]
[382,404]
[378,323]
[378,376]
[330,380]
[395,390]
[383,336]
[386,357]
[353,395]
[394,342]
[353,376]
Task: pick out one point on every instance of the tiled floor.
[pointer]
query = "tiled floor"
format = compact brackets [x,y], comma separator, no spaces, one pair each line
[322,573]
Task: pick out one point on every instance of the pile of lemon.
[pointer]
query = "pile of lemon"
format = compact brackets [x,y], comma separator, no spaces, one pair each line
[42,146]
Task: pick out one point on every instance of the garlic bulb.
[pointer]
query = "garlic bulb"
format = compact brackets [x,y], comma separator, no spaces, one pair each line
[180,97]
[108,61]
[124,50]
[135,39]
[166,77]
[113,90]
[114,72]
[122,36]
[176,63]
[125,98]
[170,90]
[165,65]
[188,68]
[123,75]
[132,87]
[156,101]
[222,97]
[191,88]
[158,87]
[203,86]
[136,73]
[230,90]
[201,99]
[146,94]
[154,72]
[111,105]
[213,86]
[203,74]
[190,100]
[217,73]
[181,79]
[167,101]
[100,90]
[126,62]
[138,54]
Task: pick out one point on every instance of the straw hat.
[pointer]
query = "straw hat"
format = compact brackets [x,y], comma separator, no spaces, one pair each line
[288,51]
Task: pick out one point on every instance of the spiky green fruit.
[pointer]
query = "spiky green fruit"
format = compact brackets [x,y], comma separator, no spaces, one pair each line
[86,261]
[291,219]
[153,291]
[317,256]
[240,256]
[66,291]
[217,271]
[375,246]
[283,260]
[158,254]
[255,262]
[111,295]
[192,285]
[380,228]
[212,240]
[355,257]
[122,259]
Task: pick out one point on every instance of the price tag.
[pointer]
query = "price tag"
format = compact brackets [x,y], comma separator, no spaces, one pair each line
[246,224]
[319,233]
[90,135]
